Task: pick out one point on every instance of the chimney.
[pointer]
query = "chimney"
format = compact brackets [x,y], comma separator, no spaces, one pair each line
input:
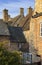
[5,15]
[30,11]
[22,11]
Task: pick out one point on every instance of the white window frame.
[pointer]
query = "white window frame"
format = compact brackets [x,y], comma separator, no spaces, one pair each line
[40,29]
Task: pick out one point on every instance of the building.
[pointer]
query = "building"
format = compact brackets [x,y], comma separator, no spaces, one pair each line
[35,38]
[21,24]
[23,33]
[11,37]
[35,26]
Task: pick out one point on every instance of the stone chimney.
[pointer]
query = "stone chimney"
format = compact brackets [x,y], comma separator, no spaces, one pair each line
[29,11]
[22,11]
[5,15]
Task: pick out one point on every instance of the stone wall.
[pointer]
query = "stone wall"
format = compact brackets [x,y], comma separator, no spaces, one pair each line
[35,34]
[5,40]
[38,6]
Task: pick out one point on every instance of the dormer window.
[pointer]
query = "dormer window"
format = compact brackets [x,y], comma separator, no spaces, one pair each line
[41,29]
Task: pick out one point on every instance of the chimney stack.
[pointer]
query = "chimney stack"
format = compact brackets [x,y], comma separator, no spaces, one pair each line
[5,15]
[22,11]
[30,11]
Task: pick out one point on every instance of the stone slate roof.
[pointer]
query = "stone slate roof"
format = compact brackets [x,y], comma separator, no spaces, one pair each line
[15,33]
[23,22]
[26,25]
[3,28]
[14,20]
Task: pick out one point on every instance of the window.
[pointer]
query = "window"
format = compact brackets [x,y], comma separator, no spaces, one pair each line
[19,45]
[41,29]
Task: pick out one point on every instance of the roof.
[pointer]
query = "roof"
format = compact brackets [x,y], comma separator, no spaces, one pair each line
[21,21]
[17,21]
[3,28]
[24,22]
[16,34]
[14,20]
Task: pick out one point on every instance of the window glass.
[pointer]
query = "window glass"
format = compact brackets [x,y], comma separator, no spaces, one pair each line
[40,29]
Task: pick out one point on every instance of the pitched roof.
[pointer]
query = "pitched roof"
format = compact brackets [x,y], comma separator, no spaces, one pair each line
[14,20]
[17,21]
[21,22]
[24,23]
[16,34]
[3,28]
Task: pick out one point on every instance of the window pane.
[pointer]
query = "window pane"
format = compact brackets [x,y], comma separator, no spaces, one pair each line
[41,34]
[41,30]
[19,45]
[41,25]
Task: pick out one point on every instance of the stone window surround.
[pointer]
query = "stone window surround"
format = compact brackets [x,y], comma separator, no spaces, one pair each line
[40,29]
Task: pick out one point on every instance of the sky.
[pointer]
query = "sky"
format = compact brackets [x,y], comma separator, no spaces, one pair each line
[14,6]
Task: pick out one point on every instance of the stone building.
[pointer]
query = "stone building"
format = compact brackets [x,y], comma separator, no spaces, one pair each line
[12,37]
[23,33]
[36,28]
[21,24]
[35,38]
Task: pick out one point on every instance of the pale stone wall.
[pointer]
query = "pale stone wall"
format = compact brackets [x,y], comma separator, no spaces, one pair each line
[35,41]
[7,44]
[39,39]
[38,6]
[4,40]
[26,34]
[31,37]
[35,34]
[14,47]
[35,46]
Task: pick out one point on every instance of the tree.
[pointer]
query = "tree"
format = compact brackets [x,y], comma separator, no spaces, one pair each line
[9,58]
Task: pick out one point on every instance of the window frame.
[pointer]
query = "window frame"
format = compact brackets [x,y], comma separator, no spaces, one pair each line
[40,29]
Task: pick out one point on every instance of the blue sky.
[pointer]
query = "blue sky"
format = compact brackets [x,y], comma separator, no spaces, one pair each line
[14,5]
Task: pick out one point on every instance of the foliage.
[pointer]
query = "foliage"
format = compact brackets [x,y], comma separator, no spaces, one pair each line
[9,58]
